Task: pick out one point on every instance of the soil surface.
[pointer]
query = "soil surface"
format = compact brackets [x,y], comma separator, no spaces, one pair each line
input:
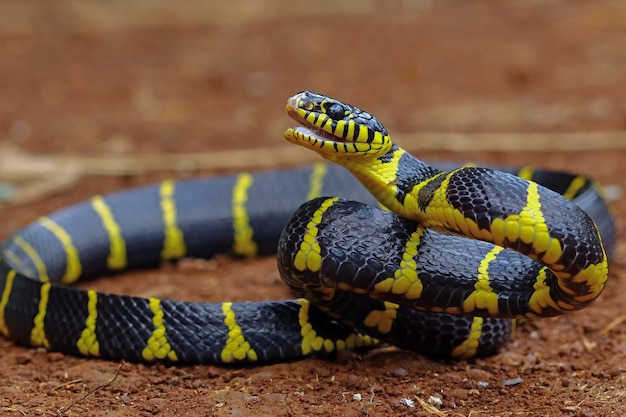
[136,77]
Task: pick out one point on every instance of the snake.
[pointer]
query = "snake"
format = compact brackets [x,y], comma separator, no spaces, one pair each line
[377,246]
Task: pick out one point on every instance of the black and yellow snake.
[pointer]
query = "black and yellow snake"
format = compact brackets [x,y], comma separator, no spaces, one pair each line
[364,274]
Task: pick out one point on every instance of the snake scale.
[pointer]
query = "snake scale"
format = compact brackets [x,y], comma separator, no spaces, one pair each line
[442,264]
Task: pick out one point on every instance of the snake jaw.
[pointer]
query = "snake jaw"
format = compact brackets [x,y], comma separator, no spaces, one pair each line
[334,128]
[297,108]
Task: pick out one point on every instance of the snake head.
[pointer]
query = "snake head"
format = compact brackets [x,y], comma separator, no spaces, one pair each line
[335,129]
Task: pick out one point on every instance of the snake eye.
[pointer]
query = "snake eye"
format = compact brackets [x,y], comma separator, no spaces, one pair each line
[335,111]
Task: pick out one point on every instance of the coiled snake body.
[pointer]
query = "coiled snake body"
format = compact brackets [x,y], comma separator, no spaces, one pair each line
[363,274]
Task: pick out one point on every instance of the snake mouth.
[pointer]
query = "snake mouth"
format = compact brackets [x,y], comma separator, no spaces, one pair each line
[334,129]
[307,129]
[316,133]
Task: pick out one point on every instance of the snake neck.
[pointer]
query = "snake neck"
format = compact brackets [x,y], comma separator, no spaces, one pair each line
[390,178]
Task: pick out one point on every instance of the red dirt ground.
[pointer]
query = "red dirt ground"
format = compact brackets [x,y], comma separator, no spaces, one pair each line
[90,78]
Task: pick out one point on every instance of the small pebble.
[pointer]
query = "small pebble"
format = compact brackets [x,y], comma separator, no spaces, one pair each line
[356,397]
[408,402]
[512,381]
[400,372]
[432,400]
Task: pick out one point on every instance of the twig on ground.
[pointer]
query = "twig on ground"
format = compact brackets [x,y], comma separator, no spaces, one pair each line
[91,391]
[25,177]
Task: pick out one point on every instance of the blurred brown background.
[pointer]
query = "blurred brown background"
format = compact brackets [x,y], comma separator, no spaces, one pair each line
[148,76]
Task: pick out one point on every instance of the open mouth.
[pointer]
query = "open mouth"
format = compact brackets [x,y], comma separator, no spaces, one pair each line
[332,127]
[306,128]
[315,132]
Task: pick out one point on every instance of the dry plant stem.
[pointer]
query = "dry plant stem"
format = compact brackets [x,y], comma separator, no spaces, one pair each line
[35,176]
[92,391]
